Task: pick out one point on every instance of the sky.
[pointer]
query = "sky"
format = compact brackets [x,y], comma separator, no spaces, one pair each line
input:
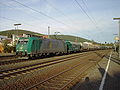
[90,19]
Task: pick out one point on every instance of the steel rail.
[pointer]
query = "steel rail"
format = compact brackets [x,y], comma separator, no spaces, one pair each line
[35,85]
[54,76]
[9,71]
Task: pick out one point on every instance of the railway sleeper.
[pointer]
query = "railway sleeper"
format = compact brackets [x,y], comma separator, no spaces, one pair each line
[58,82]
[53,81]
[49,88]
[54,85]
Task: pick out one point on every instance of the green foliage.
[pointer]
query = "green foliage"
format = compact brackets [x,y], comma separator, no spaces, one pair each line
[70,38]
[7,48]
[63,37]
[17,32]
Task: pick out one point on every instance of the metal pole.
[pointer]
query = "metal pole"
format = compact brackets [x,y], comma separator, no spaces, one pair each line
[48,31]
[119,33]
[119,37]
[17,30]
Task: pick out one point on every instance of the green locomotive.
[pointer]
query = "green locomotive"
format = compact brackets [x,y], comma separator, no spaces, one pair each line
[28,46]
[73,47]
[36,47]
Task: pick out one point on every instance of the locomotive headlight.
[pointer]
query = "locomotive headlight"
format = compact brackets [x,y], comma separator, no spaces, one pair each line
[21,47]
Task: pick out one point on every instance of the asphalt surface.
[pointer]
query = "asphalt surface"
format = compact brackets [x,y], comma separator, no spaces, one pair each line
[100,78]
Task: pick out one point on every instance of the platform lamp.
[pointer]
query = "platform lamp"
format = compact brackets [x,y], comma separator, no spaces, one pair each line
[17,27]
[119,32]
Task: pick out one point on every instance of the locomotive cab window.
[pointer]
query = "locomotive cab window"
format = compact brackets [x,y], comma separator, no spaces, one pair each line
[23,41]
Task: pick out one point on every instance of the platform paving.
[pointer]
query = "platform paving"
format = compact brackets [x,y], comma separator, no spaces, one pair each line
[94,76]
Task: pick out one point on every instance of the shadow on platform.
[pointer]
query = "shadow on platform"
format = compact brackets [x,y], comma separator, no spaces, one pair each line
[111,82]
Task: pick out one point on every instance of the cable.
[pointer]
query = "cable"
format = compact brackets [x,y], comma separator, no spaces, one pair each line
[89,10]
[40,13]
[91,19]
[16,21]
[99,29]
[59,11]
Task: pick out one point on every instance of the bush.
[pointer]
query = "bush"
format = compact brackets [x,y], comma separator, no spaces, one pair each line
[7,48]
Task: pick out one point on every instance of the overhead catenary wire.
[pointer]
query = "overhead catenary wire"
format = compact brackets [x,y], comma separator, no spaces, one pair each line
[29,15]
[80,6]
[40,13]
[98,28]
[90,17]
[43,14]
[17,21]
[89,10]
[12,7]
[62,13]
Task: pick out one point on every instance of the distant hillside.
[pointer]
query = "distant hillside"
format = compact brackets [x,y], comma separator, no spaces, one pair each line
[17,32]
[63,37]
[70,38]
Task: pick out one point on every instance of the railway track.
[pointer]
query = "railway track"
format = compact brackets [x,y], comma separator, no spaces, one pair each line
[14,59]
[62,80]
[14,71]
[56,79]
[3,57]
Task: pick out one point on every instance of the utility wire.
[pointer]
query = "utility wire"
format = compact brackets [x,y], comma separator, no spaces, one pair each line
[10,6]
[40,13]
[89,10]
[85,13]
[43,14]
[17,21]
[60,12]
[99,29]
[30,15]
[91,19]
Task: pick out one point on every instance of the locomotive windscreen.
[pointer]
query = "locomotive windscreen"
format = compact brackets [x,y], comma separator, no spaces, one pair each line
[23,41]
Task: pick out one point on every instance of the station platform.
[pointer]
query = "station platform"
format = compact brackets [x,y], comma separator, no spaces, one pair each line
[105,75]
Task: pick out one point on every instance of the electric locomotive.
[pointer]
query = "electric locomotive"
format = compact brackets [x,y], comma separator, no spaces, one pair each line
[36,47]
[28,46]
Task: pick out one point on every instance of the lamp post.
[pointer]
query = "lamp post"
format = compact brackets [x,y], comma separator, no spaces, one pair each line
[119,32]
[48,31]
[16,28]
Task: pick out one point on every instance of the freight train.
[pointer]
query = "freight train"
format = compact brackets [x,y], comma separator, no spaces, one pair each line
[36,47]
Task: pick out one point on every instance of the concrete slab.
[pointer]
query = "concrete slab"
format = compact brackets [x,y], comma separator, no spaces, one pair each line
[94,77]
